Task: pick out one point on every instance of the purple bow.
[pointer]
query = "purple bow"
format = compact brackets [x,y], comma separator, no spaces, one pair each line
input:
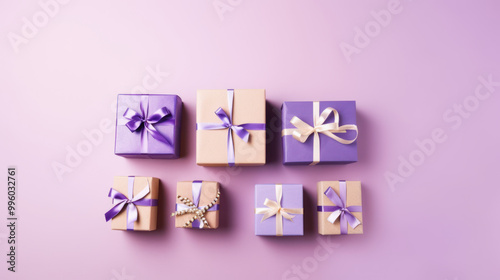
[241,129]
[340,210]
[137,120]
[138,200]
[196,190]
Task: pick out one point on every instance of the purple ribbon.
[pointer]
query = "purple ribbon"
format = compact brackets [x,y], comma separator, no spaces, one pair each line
[340,210]
[131,203]
[138,120]
[196,191]
[241,130]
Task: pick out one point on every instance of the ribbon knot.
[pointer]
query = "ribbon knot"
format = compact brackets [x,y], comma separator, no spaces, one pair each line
[340,210]
[138,120]
[274,208]
[228,123]
[303,130]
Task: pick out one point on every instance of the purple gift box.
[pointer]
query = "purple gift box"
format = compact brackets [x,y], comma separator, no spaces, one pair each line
[148,126]
[279,210]
[319,132]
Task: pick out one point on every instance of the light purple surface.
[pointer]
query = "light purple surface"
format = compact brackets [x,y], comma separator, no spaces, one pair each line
[331,151]
[441,222]
[128,143]
[292,198]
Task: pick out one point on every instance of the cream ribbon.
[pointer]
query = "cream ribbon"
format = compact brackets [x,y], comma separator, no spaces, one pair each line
[274,208]
[304,130]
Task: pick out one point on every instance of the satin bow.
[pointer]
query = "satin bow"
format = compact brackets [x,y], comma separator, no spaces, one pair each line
[340,210]
[138,200]
[304,130]
[143,119]
[274,208]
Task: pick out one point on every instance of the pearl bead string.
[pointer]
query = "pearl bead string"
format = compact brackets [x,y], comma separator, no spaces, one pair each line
[198,213]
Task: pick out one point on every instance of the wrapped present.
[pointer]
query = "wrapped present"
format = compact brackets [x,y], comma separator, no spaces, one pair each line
[339,207]
[148,126]
[135,202]
[231,127]
[197,205]
[319,132]
[279,210]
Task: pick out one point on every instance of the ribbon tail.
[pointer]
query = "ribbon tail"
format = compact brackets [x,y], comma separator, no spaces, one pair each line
[353,221]
[268,214]
[334,216]
[131,216]
[288,216]
[157,135]
[343,224]
[115,210]
[279,224]
[230,148]
[241,132]
[316,149]
[144,141]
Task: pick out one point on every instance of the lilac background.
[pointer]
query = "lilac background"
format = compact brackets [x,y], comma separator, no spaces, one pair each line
[331,151]
[292,198]
[441,222]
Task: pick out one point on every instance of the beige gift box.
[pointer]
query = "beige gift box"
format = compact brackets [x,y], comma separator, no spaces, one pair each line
[146,215]
[353,198]
[208,193]
[249,106]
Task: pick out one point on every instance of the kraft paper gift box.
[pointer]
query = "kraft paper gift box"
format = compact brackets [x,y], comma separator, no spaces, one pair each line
[197,204]
[231,127]
[148,125]
[279,210]
[319,132]
[135,202]
[339,207]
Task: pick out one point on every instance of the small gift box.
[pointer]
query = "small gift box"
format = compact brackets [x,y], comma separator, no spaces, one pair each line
[231,127]
[148,126]
[319,132]
[197,205]
[279,210]
[135,202]
[339,207]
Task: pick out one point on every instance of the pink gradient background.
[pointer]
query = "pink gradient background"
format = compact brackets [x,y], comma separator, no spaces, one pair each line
[440,223]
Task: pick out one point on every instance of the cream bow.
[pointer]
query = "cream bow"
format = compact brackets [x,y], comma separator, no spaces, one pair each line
[274,208]
[304,130]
